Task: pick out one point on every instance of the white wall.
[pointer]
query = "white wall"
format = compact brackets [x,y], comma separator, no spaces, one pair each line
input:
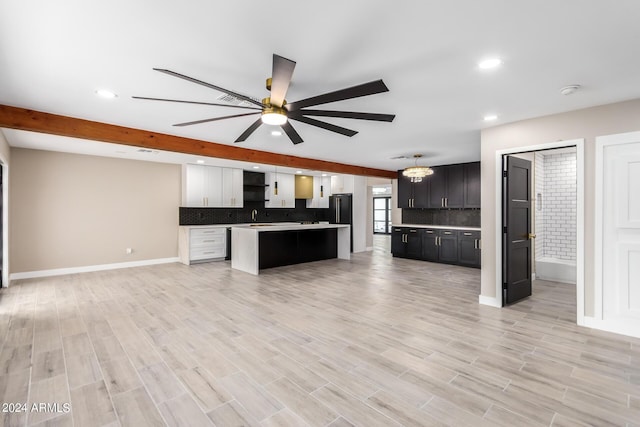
[72,210]
[5,157]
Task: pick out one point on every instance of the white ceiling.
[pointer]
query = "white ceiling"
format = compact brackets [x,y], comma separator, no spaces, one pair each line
[55,55]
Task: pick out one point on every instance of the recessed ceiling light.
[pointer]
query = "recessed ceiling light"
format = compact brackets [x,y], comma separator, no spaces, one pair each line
[298,171]
[490,117]
[489,63]
[106,93]
[276,133]
[256,167]
[568,90]
[200,162]
[324,174]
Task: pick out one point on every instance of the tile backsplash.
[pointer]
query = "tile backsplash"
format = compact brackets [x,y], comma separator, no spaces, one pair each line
[454,217]
[208,216]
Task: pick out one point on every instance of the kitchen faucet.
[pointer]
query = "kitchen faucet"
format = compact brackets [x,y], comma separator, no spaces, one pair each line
[254,214]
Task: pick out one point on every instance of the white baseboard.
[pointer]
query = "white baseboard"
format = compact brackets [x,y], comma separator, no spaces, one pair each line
[491,301]
[616,326]
[90,268]
[369,248]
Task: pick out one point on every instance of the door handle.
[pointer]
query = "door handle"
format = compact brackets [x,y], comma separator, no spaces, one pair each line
[531,236]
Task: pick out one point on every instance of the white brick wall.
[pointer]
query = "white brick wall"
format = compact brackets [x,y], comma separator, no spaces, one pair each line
[558,236]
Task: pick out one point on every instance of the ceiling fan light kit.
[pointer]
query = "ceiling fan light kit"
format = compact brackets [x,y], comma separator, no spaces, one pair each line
[416,173]
[274,109]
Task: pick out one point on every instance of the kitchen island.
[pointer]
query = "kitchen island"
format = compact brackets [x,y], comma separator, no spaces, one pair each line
[260,246]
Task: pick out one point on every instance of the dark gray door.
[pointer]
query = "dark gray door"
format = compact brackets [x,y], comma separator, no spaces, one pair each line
[516,248]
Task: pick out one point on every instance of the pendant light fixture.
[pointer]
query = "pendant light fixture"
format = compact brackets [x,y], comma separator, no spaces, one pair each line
[275,184]
[416,173]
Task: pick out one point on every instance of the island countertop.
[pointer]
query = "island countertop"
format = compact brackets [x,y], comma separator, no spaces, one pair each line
[439,227]
[245,250]
[285,226]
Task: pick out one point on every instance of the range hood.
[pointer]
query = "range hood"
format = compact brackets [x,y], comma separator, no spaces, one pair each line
[304,187]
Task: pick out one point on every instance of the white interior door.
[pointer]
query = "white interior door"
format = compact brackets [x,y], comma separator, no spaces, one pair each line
[621,235]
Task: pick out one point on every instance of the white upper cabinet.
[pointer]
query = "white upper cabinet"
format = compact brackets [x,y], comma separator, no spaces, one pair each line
[342,184]
[286,197]
[232,188]
[211,186]
[321,192]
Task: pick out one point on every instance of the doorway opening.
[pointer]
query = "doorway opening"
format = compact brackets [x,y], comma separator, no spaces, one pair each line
[382,215]
[540,219]
[540,234]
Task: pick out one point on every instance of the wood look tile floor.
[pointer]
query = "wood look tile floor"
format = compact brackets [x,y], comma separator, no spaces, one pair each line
[376,341]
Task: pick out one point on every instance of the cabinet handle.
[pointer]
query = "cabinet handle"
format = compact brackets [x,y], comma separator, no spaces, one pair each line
[209,252]
[442,202]
[480,244]
[446,232]
[429,231]
[439,241]
[467,234]
[412,231]
[475,243]
[209,241]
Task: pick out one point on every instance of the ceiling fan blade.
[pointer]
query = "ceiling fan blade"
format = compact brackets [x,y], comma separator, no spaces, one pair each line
[195,102]
[197,122]
[364,89]
[209,85]
[346,115]
[324,125]
[291,133]
[255,125]
[280,78]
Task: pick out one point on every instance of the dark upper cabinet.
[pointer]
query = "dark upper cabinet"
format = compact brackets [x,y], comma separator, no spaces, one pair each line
[405,191]
[437,187]
[469,248]
[472,185]
[412,194]
[446,187]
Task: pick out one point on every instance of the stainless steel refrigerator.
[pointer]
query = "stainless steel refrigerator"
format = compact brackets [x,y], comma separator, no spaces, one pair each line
[340,211]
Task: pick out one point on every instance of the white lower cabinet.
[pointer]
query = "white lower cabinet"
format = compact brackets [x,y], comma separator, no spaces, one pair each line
[202,244]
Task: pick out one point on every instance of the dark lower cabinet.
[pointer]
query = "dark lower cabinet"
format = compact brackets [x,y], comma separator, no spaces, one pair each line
[430,250]
[406,242]
[469,248]
[437,245]
[278,248]
[448,247]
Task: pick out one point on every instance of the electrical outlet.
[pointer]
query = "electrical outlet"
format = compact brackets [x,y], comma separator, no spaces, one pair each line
[128,251]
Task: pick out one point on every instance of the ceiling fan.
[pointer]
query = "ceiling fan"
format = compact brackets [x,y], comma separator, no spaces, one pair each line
[275,110]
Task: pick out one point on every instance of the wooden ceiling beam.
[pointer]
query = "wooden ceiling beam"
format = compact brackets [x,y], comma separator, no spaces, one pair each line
[37,121]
